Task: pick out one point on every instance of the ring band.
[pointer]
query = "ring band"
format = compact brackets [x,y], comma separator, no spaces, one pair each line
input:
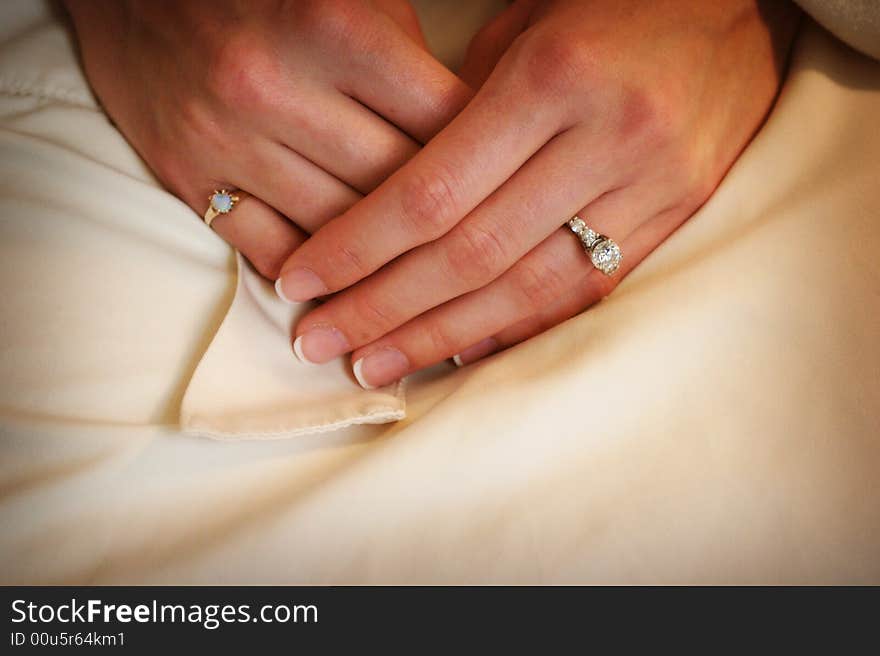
[221,202]
[603,251]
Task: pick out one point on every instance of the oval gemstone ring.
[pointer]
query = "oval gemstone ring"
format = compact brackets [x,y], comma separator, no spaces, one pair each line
[221,202]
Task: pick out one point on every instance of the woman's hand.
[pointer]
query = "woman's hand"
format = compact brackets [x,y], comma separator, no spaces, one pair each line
[304,104]
[626,113]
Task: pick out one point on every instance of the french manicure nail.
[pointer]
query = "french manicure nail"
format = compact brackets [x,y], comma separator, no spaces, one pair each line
[359,375]
[320,344]
[473,353]
[381,367]
[298,285]
[280,292]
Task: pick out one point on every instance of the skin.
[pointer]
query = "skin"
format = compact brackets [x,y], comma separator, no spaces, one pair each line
[626,113]
[289,101]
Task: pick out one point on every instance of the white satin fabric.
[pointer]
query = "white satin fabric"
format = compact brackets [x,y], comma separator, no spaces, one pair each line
[717,419]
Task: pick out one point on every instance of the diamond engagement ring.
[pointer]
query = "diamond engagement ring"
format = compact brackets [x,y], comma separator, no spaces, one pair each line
[604,253]
[222,202]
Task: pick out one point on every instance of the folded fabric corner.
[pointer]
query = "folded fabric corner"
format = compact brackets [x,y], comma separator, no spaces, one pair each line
[249,385]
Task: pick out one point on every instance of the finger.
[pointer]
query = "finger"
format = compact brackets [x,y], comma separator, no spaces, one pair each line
[345,139]
[402,82]
[552,283]
[492,41]
[294,186]
[288,197]
[259,233]
[521,214]
[472,157]
[637,247]
[551,270]
[578,299]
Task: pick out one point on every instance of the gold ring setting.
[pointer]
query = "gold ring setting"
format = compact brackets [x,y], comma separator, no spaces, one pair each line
[221,202]
[604,253]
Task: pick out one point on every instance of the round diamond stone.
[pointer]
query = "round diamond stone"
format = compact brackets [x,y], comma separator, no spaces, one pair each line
[606,256]
[589,237]
[577,225]
[221,202]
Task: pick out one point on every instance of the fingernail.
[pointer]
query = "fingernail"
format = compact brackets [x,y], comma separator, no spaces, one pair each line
[280,292]
[381,367]
[320,344]
[473,353]
[298,285]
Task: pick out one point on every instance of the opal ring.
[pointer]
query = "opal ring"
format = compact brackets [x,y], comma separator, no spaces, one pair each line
[222,201]
[604,253]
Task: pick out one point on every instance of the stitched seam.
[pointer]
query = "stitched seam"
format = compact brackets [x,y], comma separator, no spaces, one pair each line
[71,96]
[379,415]
[389,415]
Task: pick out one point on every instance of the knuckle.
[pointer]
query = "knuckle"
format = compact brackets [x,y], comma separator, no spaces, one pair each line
[374,317]
[445,100]
[339,256]
[348,259]
[428,201]
[476,255]
[654,119]
[441,342]
[240,72]
[556,63]
[540,285]
[331,20]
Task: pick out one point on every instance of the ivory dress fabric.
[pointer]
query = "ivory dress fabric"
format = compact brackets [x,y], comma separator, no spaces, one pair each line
[716,420]
[857,22]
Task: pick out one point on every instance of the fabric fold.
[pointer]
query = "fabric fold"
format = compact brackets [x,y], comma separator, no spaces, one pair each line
[249,384]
